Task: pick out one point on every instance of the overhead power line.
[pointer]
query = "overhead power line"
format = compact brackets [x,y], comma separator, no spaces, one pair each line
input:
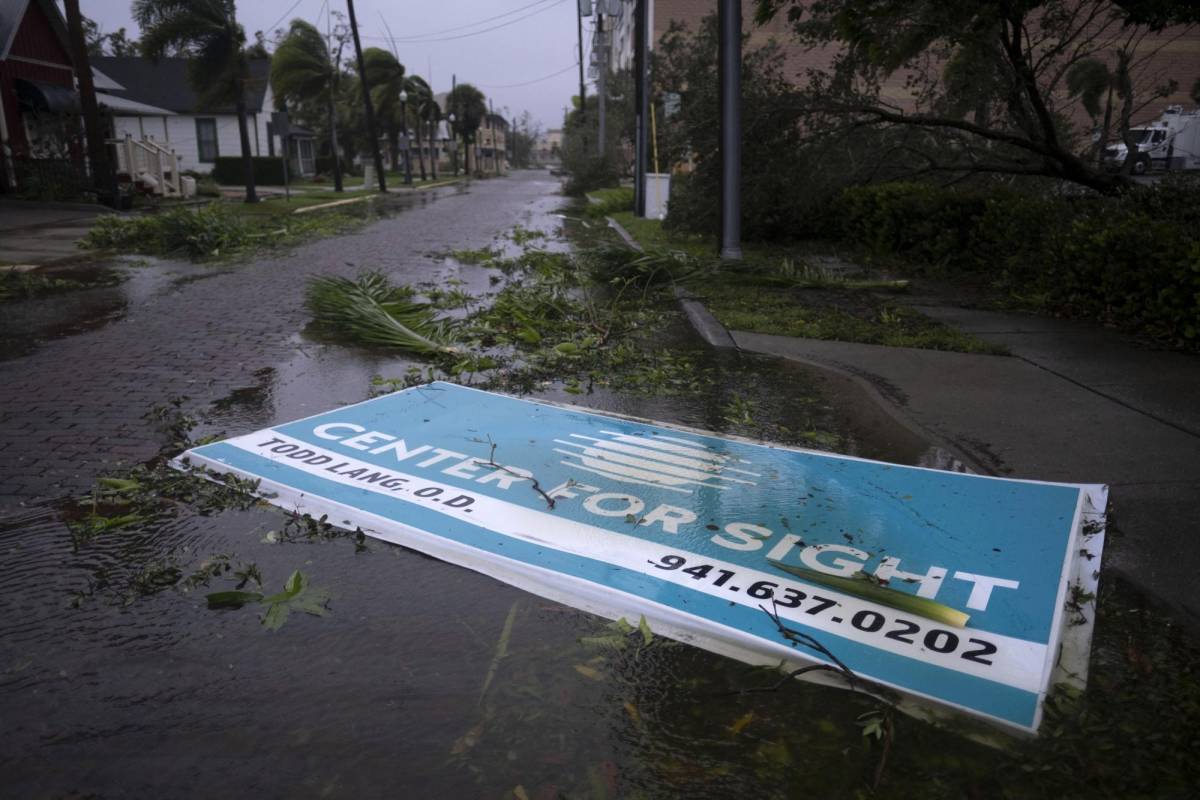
[416,40]
[458,28]
[526,83]
[283,16]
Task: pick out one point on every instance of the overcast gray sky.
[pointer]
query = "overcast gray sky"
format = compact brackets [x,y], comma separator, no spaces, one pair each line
[494,44]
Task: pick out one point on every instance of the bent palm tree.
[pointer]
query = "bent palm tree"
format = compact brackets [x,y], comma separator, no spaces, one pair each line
[468,106]
[420,96]
[208,33]
[387,79]
[302,69]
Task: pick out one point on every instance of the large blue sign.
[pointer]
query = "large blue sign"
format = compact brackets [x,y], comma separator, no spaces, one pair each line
[706,534]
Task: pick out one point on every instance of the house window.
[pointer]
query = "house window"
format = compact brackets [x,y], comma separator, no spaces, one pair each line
[206,140]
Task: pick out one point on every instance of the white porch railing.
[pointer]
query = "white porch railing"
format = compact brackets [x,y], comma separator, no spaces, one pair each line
[146,157]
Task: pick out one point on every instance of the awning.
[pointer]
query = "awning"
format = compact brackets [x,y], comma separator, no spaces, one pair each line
[47,97]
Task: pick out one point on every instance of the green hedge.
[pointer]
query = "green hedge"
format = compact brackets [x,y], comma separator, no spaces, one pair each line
[268,170]
[1132,260]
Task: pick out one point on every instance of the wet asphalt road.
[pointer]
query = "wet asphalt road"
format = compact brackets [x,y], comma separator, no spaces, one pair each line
[81,371]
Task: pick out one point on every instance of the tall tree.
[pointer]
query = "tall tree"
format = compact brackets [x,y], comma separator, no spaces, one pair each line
[208,34]
[304,69]
[419,97]
[387,78]
[431,114]
[988,80]
[469,107]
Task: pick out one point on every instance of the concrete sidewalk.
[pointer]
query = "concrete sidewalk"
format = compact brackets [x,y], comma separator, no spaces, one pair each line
[43,233]
[1075,402]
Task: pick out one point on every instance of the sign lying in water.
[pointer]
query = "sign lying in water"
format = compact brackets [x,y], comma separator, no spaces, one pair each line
[706,534]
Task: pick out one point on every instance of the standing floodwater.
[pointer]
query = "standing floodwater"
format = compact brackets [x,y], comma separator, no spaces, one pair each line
[117,680]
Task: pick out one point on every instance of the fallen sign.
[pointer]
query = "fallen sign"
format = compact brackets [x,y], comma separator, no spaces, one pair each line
[866,570]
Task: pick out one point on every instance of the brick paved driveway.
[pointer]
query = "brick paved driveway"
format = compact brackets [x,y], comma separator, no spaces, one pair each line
[75,404]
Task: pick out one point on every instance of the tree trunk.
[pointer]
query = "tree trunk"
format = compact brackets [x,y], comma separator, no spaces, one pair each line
[420,148]
[433,149]
[244,135]
[102,177]
[333,144]
[393,135]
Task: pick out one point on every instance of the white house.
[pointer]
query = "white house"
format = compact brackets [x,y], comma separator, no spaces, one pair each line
[155,100]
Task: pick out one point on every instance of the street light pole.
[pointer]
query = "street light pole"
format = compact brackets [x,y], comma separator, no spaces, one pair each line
[729,21]
[404,134]
[641,73]
[367,105]
[453,134]
[602,63]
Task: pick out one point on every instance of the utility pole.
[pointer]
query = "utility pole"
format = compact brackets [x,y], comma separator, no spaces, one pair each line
[602,63]
[102,177]
[368,107]
[404,134]
[332,108]
[582,85]
[434,148]
[641,73]
[452,117]
[495,131]
[729,22]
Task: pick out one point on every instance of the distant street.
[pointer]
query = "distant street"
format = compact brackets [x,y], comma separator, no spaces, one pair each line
[82,369]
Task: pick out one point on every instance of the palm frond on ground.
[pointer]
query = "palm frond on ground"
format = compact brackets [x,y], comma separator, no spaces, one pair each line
[371,311]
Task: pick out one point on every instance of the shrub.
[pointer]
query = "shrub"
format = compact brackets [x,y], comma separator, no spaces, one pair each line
[587,172]
[199,232]
[1132,260]
[207,187]
[268,170]
[604,202]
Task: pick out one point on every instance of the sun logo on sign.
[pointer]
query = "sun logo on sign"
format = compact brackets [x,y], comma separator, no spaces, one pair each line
[666,462]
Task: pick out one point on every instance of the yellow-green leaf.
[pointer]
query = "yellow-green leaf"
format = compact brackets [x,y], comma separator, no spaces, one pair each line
[869,590]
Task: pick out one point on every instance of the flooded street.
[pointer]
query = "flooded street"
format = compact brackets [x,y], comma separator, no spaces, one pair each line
[426,679]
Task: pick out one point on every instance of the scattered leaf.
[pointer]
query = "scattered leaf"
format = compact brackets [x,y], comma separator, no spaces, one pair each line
[869,590]
[741,722]
[644,627]
[588,672]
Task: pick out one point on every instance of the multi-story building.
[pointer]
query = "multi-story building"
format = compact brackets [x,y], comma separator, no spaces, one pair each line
[491,144]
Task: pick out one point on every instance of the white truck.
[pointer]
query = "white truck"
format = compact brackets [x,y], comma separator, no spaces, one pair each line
[1172,142]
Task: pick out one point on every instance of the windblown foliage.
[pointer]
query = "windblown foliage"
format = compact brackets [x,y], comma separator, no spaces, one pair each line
[371,311]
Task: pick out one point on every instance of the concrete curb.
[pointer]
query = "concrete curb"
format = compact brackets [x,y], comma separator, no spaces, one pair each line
[624,234]
[709,328]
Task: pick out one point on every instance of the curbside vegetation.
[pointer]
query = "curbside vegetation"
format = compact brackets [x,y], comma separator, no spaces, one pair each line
[221,230]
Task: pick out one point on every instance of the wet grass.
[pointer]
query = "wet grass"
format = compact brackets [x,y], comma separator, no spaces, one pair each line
[227,230]
[603,202]
[25,285]
[835,314]
[777,291]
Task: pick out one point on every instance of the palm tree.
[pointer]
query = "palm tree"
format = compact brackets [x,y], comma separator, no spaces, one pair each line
[208,33]
[303,69]
[386,76]
[468,106]
[420,97]
[431,112]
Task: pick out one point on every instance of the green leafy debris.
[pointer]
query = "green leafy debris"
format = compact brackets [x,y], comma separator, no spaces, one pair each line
[369,310]
[297,595]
